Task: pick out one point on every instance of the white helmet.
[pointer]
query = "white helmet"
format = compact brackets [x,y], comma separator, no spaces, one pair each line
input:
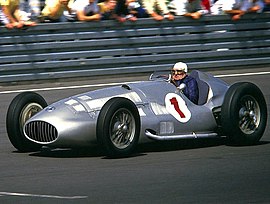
[181,66]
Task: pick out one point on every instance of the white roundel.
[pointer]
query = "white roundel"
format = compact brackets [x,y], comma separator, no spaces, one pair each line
[177,107]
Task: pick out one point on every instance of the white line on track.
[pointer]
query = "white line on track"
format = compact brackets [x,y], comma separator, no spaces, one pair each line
[63,87]
[117,83]
[41,196]
[243,74]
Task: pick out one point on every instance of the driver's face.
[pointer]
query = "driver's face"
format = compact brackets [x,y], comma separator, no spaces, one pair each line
[178,74]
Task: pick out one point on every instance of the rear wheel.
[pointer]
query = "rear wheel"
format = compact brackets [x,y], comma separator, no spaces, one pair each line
[22,108]
[118,127]
[244,114]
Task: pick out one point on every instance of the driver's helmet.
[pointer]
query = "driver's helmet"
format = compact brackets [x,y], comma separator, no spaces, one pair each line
[181,66]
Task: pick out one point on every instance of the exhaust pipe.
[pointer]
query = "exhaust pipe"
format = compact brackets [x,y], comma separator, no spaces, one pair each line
[177,137]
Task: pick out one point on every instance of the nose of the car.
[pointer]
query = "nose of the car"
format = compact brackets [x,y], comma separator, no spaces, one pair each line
[61,124]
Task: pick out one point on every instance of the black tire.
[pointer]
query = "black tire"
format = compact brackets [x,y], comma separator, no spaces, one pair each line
[23,107]
[118,127]
[244,114]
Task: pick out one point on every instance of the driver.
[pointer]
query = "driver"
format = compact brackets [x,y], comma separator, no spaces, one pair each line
[179,76]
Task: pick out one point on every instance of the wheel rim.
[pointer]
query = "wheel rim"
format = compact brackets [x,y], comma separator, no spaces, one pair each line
[29,111]
[122,128]
[249,115]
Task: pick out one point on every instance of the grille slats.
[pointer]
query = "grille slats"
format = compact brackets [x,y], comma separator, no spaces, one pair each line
[41,131]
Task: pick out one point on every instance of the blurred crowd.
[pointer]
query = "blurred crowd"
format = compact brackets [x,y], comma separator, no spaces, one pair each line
[24,13]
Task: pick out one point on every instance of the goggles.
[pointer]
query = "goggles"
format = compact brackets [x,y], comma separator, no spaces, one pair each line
[180,72]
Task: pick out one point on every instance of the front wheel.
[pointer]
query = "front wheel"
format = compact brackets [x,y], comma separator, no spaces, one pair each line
[118,127]
[244,114]
[22,108]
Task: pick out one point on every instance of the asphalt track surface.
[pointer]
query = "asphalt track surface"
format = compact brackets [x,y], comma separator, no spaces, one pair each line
[193,171]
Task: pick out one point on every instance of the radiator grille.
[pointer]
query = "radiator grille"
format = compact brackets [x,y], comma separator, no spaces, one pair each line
[41,131]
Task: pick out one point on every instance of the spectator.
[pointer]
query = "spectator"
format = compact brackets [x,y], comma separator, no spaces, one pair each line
[129,10]
[107,9]
[240,7]
[31,7]
[191,8]
[266,5]
[86,10]
[136,9]
[206,5]
[161,12]
[257,6]
[220,6]
[12,17]
[122,13]
[54,9]
[34,8]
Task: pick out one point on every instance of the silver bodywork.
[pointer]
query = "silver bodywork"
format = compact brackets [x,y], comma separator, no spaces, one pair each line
[72,121]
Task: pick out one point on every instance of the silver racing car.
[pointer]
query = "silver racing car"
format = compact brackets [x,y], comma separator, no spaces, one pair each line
[117,118]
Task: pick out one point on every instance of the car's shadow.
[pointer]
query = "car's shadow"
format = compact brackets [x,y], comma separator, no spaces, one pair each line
[142,149]
[69,153]
[160,146]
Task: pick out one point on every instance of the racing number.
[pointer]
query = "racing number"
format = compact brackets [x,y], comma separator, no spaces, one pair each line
[177,107]
[174,102]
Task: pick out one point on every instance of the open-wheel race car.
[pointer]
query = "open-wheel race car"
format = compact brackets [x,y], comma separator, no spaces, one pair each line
[118,118]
